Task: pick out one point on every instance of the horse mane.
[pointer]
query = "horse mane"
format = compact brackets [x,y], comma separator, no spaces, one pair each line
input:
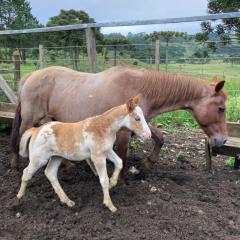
[173,87]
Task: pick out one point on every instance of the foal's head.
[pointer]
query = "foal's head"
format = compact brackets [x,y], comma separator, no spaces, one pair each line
[135,120]
[211,115]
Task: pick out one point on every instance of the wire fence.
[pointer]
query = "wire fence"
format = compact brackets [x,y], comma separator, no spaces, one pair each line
[179,57]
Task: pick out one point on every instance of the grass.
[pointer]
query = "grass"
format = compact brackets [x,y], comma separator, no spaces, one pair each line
[226,71]
[229,162]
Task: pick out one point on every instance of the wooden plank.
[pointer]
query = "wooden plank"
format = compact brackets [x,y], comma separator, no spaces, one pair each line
[7,90]
[230,148]
[7,107]
[8,115]
[226,150]
[233,142]
[233,129]
[124,23]
[157,54]
[91,49]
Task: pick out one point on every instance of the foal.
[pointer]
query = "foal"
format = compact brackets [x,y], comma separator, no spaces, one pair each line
[91,138]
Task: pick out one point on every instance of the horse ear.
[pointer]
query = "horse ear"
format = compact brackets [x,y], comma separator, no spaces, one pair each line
[136,99]
[132,103]
[219,86]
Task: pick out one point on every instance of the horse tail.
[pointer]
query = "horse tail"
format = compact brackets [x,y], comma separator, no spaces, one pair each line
[15,138]
[15,129]
[24,143]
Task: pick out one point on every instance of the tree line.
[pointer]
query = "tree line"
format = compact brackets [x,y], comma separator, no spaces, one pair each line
[16,14]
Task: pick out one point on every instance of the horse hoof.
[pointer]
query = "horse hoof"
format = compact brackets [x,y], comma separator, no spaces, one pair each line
[70,203]
[19,196]
[113,209]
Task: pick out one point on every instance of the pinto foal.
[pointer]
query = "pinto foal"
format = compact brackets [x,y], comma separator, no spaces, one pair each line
[91,138]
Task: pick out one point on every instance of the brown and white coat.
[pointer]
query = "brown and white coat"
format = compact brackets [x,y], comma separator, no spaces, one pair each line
[92,138]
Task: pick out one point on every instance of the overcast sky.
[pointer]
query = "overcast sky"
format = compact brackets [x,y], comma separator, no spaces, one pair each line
[117,10]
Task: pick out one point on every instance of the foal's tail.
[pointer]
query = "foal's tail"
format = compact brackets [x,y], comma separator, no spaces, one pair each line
[15,129]
[24,143]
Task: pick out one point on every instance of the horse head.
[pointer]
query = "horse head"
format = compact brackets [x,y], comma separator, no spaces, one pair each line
[210,113]
[135,119]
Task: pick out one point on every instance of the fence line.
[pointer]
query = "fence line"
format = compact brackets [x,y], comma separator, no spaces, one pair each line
[128,44]
[151,60]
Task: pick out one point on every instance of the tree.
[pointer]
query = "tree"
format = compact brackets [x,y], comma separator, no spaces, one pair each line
[166,36]
[113,40]
[70,38]
[224,29]
[16,14]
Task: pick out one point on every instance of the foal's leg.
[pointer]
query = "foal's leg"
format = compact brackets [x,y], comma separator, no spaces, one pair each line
[158,138]
[100,165]
[51,173]
[34,164]
[112,156]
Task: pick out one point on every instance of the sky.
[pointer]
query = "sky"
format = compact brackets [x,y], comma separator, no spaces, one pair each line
[123,10]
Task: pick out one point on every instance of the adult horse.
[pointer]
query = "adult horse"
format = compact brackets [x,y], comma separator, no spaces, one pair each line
[70,96]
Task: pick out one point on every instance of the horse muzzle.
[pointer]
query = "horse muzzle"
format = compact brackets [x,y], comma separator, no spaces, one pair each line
[146,135]
[218,140]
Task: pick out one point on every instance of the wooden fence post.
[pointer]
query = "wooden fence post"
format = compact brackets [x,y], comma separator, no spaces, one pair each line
[115,55]
[41,56]
[157,53]
[17,75]
[91,49]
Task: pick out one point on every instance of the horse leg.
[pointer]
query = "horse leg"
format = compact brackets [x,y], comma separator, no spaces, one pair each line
[158,138]
[51,173]
[101,168]
[122,144]
[112,156]
[25,125]
[35,163]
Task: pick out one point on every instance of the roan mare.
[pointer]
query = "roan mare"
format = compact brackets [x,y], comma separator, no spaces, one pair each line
[70,96]
[91,138]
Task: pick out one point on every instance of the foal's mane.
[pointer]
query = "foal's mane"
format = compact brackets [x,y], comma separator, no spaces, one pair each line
[173,87]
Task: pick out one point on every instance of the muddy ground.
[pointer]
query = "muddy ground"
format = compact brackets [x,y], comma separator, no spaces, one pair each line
[177,200]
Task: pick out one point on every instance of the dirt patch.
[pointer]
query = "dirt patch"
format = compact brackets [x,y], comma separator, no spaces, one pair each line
[177,200]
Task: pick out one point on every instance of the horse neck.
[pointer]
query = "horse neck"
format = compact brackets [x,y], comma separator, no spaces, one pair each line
[112,120]
[164,92]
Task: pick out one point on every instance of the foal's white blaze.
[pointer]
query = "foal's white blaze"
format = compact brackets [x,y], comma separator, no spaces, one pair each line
[137,123]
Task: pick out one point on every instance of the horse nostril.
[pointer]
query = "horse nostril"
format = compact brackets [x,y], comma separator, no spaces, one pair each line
[224,141]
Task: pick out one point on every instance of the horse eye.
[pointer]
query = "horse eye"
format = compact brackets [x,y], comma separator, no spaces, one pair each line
[221,110]
[137,118]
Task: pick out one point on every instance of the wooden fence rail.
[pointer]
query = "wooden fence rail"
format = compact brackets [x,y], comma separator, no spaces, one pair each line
[124,23]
